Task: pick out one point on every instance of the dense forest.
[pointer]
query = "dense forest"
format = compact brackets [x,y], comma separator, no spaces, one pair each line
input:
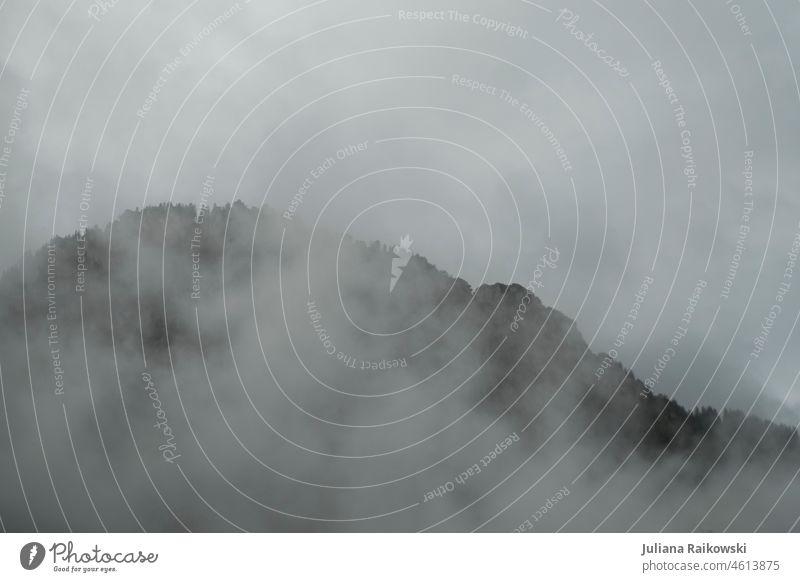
[231,312]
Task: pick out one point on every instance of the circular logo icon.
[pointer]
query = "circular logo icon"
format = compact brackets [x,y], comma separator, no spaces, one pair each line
[31,555]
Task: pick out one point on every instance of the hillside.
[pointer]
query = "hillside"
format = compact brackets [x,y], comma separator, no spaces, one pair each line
[341,408]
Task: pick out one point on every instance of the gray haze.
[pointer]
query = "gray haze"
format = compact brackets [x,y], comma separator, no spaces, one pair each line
[260,96]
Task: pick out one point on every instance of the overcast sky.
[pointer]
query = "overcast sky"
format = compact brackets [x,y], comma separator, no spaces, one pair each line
[505,126]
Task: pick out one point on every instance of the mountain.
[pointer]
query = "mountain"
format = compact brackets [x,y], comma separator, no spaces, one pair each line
[223,368]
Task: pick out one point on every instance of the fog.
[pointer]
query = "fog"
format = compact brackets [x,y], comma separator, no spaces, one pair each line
[490,136]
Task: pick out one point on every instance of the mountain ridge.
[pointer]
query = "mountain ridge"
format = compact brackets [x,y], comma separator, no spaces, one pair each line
[142,301]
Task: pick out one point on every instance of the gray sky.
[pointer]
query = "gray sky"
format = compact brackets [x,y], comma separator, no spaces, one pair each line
[259,96]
